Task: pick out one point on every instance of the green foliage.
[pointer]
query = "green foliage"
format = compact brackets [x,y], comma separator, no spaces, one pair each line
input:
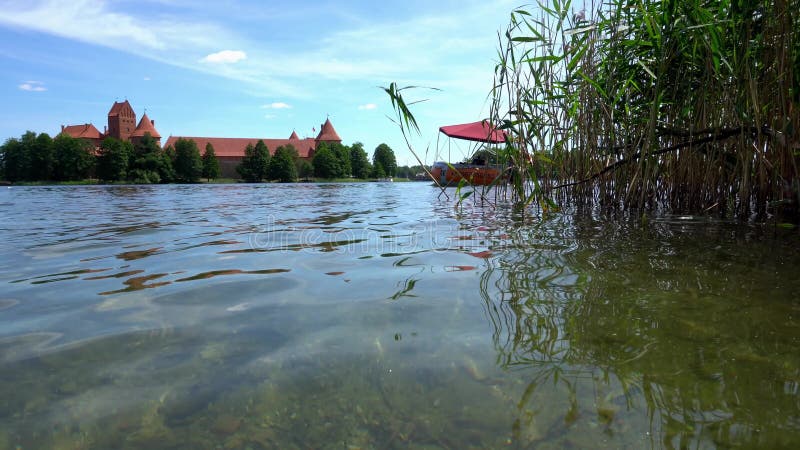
[112,162]
[74,159]
[255,164]
[305,169]
[150,163]
[378,172]
[282,166]
[678,106]
[326,164]
[188,164]
[384,157]
[359,161]
[343,156]
[17,157]
[42,158]
[210,163]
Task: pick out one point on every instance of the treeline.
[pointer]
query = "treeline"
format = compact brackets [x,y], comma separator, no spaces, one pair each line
[39,157]
[330,160]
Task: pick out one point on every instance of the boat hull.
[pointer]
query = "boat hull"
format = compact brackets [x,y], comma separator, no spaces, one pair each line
[473,174]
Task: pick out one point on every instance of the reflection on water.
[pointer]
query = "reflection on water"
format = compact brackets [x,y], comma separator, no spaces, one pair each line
[378,316]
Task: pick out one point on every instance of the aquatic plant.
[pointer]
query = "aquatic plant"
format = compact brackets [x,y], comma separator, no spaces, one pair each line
[684,107]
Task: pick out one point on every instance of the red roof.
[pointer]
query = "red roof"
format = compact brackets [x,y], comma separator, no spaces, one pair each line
[327,133]
[85,131]
[476,131]
[118,107]
[234,147]
[145,126]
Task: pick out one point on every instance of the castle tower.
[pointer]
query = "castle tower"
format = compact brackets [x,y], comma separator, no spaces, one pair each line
[121,121]
[327,133]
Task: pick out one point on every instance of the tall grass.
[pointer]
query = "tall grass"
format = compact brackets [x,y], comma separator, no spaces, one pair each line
[682,106]
[677,106]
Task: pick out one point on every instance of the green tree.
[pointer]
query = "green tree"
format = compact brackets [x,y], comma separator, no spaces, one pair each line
[343,155]
[384,157]
[282,165]
[42,160]
[255,164]
[113,159]
[188,164]
[326,164]
[359,161]
[210,163]
[74,158]
[377,171]
[150,163]
[16,157]
[305,169]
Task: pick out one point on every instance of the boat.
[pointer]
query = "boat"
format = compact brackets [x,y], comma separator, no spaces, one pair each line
[476,174]
[477,171]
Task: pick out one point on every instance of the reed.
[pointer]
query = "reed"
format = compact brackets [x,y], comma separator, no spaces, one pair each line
[676,106]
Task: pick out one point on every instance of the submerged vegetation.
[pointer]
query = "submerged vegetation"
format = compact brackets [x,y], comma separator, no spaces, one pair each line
[682,107]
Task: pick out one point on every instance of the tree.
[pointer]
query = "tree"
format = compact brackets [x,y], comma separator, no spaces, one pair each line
[282,165]
[16,158]
[377,171]
[255,164]
[112,162]
[326,165]
[384,157]
[343,155]
[210,163]
[73,158]
[359,161]
[42,160]
[188,163]
[150,163]
[305,169]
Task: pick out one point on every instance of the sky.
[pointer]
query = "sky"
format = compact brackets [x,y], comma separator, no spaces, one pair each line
[250,68]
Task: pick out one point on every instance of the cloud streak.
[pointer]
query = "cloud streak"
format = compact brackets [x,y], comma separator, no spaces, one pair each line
[432,49]
[277,105]
[32,86]
[225,57]
[367,107]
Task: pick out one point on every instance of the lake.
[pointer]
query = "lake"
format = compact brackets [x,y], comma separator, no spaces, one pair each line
[379,315]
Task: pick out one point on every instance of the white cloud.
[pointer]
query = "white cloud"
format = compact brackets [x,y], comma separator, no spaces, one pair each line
[277,105]
[146,78]
[367,107]
[32,86]
[225,57]
[426,48]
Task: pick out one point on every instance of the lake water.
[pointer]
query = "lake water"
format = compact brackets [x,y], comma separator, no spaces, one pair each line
[378,315]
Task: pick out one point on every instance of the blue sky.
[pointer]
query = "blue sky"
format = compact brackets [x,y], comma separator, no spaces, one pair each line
[246,68]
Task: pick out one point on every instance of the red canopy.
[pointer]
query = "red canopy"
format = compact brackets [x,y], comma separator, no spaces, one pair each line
[476,131]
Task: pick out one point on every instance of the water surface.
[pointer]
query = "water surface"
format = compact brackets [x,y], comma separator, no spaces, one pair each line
[379,315]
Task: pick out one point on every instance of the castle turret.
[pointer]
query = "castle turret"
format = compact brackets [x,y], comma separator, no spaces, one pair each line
[145,126]
[327,133]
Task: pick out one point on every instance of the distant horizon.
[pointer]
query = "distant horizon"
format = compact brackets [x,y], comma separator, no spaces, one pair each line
[245,69]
